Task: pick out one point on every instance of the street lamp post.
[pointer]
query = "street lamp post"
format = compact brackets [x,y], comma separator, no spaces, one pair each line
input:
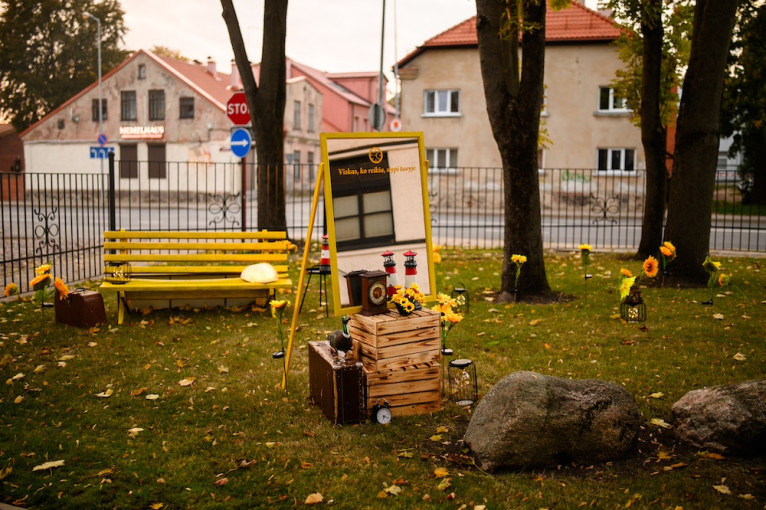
[100,108]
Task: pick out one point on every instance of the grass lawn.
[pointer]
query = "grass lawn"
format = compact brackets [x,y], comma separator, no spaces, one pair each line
[232,439]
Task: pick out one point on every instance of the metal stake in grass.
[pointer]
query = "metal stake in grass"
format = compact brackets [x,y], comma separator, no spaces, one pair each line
[277,309]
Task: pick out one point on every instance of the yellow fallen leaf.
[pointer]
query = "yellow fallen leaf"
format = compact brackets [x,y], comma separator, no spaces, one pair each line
[39,369]
[134,431]
[748,497]
[658,394]
[711,455]
[48,465]
[314,499]
[406,454]
[105,394]
[535,322]
[18,400]
[546,346]
[156,506]
[270,444]
[382,495]
[441,472]
[659,422]
[221,481]
[436,437]
[663,454]
[223,370]
[66,357]
[180,363]
[442,430]
[5,472]
[444,484]
[718,316]
[393,490]
[739,357]
[104,472]
[188,381]
[723,489]
[152,396]
[138,392]
[305,465]
[18,376]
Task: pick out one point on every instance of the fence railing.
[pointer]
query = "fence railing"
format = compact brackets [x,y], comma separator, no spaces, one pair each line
[60,218]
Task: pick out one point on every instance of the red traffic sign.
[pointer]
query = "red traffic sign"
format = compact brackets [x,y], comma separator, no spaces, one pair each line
[236,109]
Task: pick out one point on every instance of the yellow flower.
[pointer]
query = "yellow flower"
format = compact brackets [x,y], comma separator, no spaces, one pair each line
[11,289]
[437,256]
[667,252]
[625,286]
[408,306]
[278,306]
[442,309]
[669,246]
[585,247]
[61,287]
[717,265]
[723,279]
[41,280]
[626,273]
[44,269]
[452,317]
[446,300]
[651,267]
[518,259]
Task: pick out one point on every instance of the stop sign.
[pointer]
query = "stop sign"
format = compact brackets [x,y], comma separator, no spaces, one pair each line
[236,109]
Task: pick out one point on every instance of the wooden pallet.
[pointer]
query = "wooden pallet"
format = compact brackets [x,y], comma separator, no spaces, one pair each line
[402,360]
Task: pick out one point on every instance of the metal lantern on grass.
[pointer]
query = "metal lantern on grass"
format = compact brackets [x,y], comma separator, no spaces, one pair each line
[460,294]
[463,386]
[633,308]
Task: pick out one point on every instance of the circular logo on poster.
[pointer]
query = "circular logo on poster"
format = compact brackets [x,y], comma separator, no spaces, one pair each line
[376,155]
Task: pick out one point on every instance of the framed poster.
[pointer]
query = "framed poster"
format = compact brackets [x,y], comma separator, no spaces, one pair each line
[376,200]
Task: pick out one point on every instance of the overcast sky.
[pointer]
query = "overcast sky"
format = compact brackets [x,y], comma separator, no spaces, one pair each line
[331,35]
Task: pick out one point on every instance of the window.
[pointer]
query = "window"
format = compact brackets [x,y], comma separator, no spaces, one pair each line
[441,102]
[296,115]
[141,71]
[609,102]
[310,163]
[156,105]
[128,105]
[94,109]
[310,126]
[297,166]
[616,160]
[186,108]
[128,161]
[441,160]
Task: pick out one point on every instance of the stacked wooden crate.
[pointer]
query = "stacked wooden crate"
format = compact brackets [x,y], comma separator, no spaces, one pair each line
[401,359]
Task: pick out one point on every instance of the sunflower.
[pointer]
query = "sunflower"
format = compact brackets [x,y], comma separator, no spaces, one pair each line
[626,273]
[40,281]
[723,279]
[651,267]
[666,252]
[278,306]
[445,300]
[61,287]
[625,285]
[452,317]
[518,259]
[11,289]
[44,269]
[669,246]
[585,247]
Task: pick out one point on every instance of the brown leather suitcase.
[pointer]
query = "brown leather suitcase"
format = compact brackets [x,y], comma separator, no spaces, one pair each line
[83,308]
[338,387]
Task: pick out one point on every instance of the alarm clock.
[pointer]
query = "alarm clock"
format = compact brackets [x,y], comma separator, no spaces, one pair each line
[381,412]
[374,292]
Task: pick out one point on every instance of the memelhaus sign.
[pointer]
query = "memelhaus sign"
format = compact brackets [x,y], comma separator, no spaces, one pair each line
[142,132]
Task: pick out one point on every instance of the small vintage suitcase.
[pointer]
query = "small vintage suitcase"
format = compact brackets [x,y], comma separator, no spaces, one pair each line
[337,387]
[83,308]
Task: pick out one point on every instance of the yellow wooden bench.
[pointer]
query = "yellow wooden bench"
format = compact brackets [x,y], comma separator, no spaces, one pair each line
[171,269]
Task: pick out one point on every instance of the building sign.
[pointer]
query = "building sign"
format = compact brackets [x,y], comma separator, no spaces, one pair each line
[142,132]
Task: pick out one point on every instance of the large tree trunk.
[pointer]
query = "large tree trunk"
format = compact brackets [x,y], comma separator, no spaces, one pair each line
[697,137]
[266,101]
[513,106]
[652,131]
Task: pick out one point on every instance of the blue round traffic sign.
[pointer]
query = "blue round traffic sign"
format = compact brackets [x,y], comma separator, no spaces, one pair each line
[240,142]
[101,139]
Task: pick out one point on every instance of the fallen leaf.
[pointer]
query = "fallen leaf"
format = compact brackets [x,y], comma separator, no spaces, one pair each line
[18,400]
[658,394]
[134,431]
[39,368]
[723,489]
[718,316]
[105,394]
[441,472]
[382,495]
[223,370]
[221,481]
[152,396]
[18,376]
[305,465]
[442,430]
[314,499]
[66,357]
[5,472]
[535,322]
[663,454]
[444,484]
[739,357]
[394,490]
[48,465]
[156,506]
[188,381]
[659,422]
[711,455]
[406,454]
[748,497]
[436,438]
[138,392]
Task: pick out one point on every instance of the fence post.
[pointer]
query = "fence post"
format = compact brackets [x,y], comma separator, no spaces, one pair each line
[112,215]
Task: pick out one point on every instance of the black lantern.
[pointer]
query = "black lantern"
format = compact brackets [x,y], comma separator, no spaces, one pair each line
[633,308]
[461,295]
[463,387]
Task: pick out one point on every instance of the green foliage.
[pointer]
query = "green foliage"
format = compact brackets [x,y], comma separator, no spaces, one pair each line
[677,17]
[744,107]
[49,53]
[232,439]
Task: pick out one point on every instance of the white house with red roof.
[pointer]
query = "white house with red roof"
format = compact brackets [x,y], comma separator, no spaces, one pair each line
[588,126]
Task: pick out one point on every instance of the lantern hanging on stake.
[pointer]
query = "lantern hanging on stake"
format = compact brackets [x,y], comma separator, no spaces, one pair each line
[463,386]
[461,295]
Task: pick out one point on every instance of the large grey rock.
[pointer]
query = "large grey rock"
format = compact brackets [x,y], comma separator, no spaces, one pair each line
[726,419]
[528,420]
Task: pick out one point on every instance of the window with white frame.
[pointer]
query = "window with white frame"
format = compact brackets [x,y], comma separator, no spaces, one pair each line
[310,119]
[441,103]
[616,160]
[296,115]
[608,101]
[441,160]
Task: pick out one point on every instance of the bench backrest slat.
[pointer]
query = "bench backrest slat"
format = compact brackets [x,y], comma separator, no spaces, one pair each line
[233,269]
[211,246]
[196,257]
[151,234]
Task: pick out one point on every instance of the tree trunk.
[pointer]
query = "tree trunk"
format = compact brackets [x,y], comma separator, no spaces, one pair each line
[652,132]
[513,105]
[266,101]
[697,137]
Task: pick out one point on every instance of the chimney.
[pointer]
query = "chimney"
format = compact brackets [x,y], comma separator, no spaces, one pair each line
[236,83]
[211,67]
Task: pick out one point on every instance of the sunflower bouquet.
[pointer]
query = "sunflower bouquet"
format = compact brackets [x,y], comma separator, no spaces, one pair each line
[518,261]
[629,284]
[40,282]
[407,299]
[449,316]
[715,277]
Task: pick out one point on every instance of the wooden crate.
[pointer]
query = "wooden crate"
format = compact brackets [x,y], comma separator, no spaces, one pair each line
[402,359]
[391,341]
[409,390]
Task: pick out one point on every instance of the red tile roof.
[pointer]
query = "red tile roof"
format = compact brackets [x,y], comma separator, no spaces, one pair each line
[576,23]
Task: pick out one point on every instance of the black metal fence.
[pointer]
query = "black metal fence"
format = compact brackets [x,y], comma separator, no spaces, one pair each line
[59,218]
